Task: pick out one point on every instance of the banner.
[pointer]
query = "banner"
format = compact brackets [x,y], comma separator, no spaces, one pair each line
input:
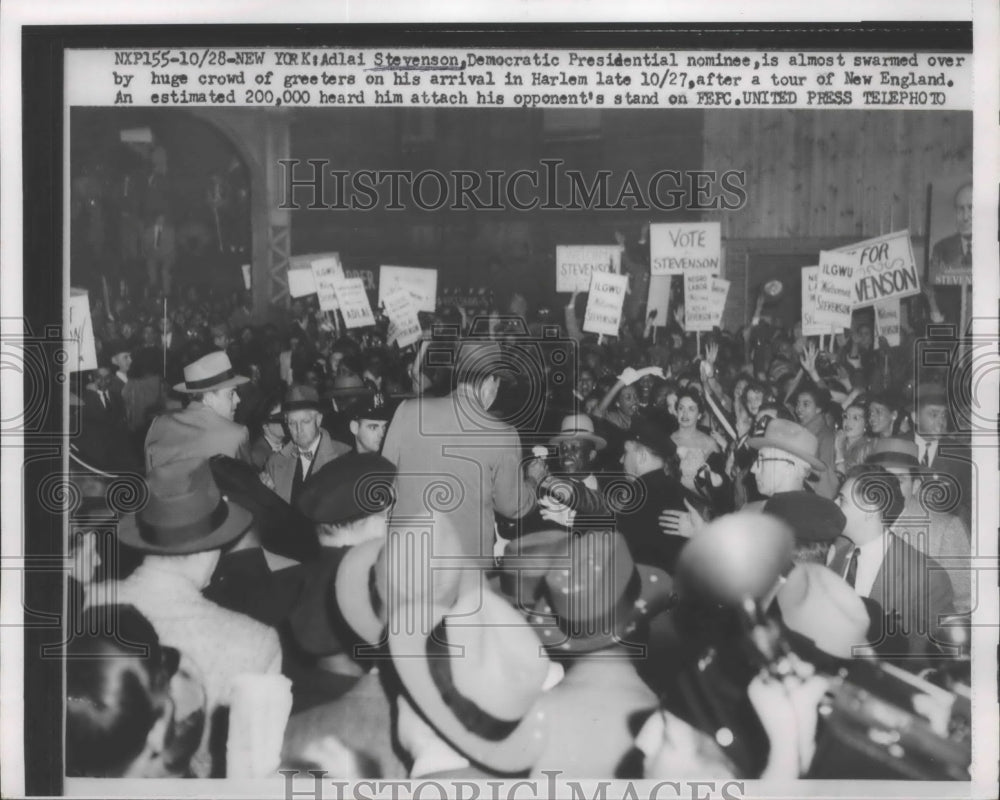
[325,271]
[301,282]
[404,324]
[699,312]
[813,323]
[353,301]
[81,349]
[659,299]
[420,283]
[677,248]
[576,263]
[835,288]
[887,321]
[604,304]
[884,268]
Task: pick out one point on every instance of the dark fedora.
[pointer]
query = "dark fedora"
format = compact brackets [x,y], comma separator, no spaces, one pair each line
[582,592]
[652,429]
[350,487]
[301,398]
[186,512]
[349,386]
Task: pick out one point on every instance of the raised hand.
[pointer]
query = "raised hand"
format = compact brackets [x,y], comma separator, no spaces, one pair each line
[629,376]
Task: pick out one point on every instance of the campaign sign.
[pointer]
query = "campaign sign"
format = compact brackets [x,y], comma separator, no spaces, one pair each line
[81,349]
[604,303]
[718,291]
[835,288]
[325,271]
[887,321]
[404,324]
[659,299]
[420,283]
[301,282]
[813,323]
[884,268]
[576,263]
[677,248]
[353,301]
[699,312]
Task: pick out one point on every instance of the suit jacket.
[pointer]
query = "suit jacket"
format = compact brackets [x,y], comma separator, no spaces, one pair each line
[260,452]
[639,522]
[103,437]
[280,466]
[462,463]
[952,469]
[194,432]
[913,591]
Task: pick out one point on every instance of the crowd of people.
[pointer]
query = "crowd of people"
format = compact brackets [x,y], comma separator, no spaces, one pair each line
[654,555]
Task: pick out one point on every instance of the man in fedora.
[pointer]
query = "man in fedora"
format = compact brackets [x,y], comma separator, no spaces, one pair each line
[454,443]
[181,531]
[928,525]
[786,460]
[590,605]
[310,447]
[271,438]
[204,428]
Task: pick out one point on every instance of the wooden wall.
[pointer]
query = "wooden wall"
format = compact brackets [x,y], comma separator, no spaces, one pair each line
[822,178]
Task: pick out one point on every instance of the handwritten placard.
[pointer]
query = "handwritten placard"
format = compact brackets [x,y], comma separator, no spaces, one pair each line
[835,288]
[813,323]
[80,347]
[677,248]
[884,268]
[887,320]
[404,324]
[325,271]
[718,292]
[420,283]
[353,300]
[698,309]
[604,303]
[576,263]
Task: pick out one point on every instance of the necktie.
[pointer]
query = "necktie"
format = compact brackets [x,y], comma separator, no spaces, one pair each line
[306,454]
[296,481]
[852,568]
[104,400]
[926,460]
[966,250]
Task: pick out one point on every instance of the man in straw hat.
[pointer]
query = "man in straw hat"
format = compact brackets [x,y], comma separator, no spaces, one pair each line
[310,447]
[786,460]
[926,523]
[454,443]
[204,428]
[182,530]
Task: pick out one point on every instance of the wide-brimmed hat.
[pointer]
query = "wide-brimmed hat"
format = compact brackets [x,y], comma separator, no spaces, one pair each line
[349,386]
[301,397]
[811,517]
[817,603]
[652,429]
[578,426]
[350,487]
[792,438]
[186,512]
[582,592]
[210,372]
[896,452]
[735,557]
[474,670]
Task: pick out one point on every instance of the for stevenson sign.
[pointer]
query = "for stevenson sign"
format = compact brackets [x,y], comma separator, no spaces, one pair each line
[576,263]
[884,268]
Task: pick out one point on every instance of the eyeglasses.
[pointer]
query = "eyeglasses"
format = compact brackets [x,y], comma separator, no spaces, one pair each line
[765,460]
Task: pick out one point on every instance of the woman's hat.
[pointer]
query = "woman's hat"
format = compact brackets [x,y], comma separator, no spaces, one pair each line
[792,438]
[582,592]
[578,426]
[214,371]
[186,512]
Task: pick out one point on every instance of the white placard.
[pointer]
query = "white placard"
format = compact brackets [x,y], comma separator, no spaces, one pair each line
[835,288]
[699,314]
[576,262]
[325,271]
[404,324]
[301,282]
[80,346]
[353,300]
[677,248]
[420,283]
[884,268]
[659,299]
[813,323]
[718,292]
[887,320]
[604,303]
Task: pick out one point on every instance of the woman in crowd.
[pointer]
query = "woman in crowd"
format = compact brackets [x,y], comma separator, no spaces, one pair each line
[853,444]
[693,446]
